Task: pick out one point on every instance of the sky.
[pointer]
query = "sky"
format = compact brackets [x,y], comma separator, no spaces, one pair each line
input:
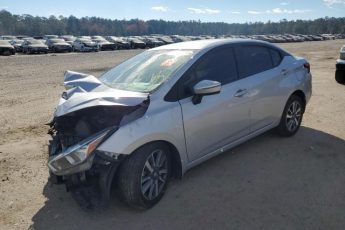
[230,11]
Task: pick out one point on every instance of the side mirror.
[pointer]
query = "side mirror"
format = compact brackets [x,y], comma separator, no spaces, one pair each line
[204,88]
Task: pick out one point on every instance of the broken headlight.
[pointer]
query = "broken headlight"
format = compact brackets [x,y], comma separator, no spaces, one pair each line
[76,158]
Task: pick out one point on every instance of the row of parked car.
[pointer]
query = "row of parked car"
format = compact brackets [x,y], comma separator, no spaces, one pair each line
[9,45]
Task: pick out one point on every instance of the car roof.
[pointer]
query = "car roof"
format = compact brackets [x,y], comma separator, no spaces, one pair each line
[213,43]
[210,43]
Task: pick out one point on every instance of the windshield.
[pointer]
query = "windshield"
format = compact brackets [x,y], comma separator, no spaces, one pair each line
[84,40]
[146,71]
[57,40]
[35,42]
[4,42]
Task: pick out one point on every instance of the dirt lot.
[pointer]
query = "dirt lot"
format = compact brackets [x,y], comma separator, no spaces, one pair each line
[266,183]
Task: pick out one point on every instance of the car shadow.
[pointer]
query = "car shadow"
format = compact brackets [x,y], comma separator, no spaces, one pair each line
[267,183]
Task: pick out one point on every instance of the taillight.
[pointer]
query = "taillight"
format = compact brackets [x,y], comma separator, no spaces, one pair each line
[307,66]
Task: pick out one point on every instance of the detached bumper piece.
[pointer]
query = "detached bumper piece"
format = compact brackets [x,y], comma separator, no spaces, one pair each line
[90,189]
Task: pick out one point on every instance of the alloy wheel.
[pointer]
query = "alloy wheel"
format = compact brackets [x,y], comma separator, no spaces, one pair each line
[293,116]
[154,175]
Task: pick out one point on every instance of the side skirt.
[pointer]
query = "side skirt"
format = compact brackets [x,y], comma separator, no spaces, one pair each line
[228,146]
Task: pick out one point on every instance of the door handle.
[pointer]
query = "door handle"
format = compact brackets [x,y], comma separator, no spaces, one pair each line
[240,93]
[284,71]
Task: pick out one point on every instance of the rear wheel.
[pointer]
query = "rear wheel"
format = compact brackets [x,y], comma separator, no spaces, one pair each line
[144,176]
[291,119]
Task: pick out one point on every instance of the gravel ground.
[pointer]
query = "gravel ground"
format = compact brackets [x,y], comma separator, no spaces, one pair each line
[266,183]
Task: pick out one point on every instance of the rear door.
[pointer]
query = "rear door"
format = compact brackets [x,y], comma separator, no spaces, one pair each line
[219,119]
[260,65]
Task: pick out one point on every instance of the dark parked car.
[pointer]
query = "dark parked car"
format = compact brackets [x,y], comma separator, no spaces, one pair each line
[34,46]
[56,45]
[136,43]
[166,39]
[119,42]
[104,44]
[152,42]
[6,48]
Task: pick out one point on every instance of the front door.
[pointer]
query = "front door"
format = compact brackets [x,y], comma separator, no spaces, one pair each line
[219,119]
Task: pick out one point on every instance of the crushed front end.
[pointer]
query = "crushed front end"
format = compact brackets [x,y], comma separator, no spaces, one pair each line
[78,128]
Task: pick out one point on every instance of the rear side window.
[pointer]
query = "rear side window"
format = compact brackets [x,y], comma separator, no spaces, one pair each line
[217,65]
[253,60]
[276,57]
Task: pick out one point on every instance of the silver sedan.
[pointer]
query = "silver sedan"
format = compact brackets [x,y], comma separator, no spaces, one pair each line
[168,109]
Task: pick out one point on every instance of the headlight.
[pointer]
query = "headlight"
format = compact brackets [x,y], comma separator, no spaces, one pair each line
[76,158]
[342,49]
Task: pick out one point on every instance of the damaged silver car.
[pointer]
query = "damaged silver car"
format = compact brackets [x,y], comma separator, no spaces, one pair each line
[168,109]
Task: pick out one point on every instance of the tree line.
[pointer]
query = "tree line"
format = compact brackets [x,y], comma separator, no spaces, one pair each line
[25,24]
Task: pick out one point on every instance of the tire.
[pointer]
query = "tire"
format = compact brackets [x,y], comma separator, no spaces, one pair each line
[141,183]
[292,116]
[340,76]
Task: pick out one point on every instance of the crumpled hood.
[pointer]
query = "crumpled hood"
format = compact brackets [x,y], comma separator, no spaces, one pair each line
[85,91]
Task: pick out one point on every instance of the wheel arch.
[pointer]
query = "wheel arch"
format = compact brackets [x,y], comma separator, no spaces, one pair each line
[299,93]
[175,157]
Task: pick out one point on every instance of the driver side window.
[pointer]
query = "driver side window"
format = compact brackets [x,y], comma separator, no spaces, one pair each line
[216,65]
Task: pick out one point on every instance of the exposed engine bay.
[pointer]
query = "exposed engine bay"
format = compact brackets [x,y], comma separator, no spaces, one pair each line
[76,126]
[88,113]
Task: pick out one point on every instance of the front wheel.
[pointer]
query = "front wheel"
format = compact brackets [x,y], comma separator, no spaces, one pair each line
[144,176]
[292,117]
[340,76]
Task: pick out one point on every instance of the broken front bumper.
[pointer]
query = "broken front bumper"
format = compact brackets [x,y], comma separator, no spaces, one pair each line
[86,172]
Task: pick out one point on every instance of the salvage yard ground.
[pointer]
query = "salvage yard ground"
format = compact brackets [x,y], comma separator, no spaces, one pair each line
[266,183]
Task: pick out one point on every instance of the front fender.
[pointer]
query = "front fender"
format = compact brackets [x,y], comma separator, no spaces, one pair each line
[158,124]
